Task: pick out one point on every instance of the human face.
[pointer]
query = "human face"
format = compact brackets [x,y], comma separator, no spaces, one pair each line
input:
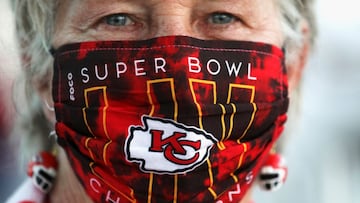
[96,20]
[89,20]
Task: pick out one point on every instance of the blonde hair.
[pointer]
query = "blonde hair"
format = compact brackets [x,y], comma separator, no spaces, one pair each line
[34,27]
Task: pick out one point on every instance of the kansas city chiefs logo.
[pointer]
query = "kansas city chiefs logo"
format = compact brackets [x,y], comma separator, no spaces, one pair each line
[166,147]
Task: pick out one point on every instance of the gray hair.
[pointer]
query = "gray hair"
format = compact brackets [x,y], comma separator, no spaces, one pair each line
[33,31]
[34,28]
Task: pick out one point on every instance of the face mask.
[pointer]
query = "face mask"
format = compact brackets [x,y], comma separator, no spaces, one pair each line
[168,119]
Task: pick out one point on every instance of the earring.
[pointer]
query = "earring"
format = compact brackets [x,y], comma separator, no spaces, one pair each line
[42,170]
[53,134]
[273,173]
[51,108]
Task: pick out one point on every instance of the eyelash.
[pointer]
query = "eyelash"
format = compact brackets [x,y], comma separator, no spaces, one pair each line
[125,18]
[222,16]
[128,20]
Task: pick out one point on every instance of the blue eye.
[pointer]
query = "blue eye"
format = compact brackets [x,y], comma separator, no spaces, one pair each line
[221,18]
[118,20]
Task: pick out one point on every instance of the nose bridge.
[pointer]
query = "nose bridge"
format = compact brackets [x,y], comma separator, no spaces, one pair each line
[172,21]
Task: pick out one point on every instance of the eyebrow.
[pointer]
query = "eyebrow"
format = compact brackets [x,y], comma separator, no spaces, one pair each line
[231,1]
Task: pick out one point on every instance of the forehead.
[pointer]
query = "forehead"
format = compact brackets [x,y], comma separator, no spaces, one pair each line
[258,7]
[170,1]
[186,3]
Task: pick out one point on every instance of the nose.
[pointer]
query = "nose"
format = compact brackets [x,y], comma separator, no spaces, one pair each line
[172,21]
[169,25]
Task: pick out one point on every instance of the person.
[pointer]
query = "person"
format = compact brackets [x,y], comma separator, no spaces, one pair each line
[157,101]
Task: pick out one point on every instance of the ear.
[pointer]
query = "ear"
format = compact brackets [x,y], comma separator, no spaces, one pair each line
[297,64]
[44,92]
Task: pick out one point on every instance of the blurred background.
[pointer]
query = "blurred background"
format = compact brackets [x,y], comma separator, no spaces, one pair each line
[10,175]
[323,154]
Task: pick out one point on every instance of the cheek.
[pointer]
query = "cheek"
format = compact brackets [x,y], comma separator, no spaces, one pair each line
[296,63]
[269,27]
[63,28]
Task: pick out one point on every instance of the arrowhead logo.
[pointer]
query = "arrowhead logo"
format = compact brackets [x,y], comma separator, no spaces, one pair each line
[166,147]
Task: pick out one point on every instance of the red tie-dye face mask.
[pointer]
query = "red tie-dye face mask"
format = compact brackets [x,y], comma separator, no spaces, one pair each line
[170,119]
